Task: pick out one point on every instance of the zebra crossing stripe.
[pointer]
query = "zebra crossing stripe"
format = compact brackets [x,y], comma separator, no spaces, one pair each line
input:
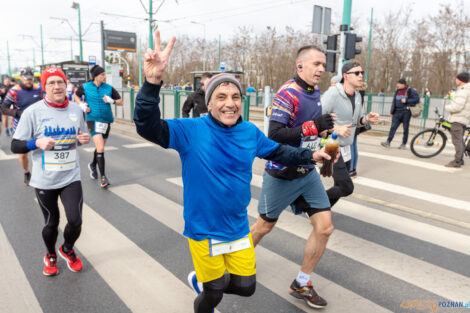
[142,283]
[446,283]
[152,203]
[17,294]
[139,145]
[107,148]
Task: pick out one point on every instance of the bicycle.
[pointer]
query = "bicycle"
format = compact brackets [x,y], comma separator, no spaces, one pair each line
[431,141]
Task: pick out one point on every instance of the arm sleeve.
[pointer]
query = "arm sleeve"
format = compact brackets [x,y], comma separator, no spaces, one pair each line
[188,105]
[280,133]
[21,146]
[413,98]
[80,91]
[115,94]
[283,106]
[147,118]
[290,156]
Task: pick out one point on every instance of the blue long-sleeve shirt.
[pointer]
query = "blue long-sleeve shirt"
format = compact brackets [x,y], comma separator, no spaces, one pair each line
[412,98]
[216,163]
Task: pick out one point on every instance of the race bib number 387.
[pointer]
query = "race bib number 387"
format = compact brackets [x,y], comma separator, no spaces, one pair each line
[59,160]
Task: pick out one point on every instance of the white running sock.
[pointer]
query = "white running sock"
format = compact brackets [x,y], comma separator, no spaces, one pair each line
[302,279]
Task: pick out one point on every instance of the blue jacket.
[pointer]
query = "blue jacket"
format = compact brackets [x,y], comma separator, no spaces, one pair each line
[412,98]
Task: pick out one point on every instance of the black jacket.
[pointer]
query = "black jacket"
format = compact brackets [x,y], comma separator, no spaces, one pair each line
[197,102]
[412,98]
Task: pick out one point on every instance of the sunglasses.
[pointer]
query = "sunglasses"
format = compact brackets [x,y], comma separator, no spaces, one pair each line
[357,73]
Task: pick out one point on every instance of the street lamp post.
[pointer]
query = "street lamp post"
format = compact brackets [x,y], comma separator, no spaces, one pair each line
[76,5]
[204,45]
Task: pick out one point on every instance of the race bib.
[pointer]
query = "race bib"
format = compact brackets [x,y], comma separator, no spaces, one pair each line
[217,247]
[311,142]
[101,127]
[346,153]
[56,160]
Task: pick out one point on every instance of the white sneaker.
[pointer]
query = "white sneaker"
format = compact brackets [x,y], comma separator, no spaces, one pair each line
[194,283]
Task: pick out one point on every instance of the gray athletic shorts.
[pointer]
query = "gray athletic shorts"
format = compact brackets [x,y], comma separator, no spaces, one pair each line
[304,194]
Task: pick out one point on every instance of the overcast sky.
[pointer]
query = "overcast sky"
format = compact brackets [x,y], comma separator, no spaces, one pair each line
[24,17]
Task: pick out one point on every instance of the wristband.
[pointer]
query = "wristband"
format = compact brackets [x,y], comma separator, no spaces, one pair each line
[31,144]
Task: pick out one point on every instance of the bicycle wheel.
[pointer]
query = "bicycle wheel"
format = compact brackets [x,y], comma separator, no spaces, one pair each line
[428,143]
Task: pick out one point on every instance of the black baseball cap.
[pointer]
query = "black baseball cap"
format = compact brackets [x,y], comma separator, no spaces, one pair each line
[402,81]
[27,73]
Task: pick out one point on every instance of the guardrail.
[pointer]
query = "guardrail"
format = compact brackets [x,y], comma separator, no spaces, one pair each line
[171,103]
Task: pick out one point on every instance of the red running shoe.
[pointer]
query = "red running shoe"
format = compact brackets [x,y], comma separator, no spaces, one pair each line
[73,262]
[50,265]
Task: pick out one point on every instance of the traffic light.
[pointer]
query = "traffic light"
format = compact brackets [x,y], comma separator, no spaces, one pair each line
[331,46]
[351,49]
[121,73]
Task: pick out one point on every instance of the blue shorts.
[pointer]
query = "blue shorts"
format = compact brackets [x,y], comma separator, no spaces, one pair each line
[304,194]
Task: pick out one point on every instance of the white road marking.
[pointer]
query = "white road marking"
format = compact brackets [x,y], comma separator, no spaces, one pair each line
[17,294]
[139,145]
[4,156]
[268,263]
[406,161]
[106,148]
[413,193]
[422,274]
[142,283]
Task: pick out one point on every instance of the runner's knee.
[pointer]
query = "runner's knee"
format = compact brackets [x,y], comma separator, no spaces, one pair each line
[264,224]
[244,286]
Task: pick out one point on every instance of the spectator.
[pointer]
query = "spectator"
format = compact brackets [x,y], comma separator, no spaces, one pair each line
[381,92]
[196,101]
[403,98]
[427,93]
[459,109]
[188,86]
[250,89]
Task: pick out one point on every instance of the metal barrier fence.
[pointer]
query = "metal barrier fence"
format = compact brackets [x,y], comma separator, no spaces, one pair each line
[171,103]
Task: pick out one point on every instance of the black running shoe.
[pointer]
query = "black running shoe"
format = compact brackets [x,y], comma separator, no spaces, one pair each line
[27,178]
[93,171]
[308,294]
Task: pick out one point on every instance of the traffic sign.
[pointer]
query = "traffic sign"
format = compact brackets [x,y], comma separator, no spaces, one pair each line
[91,60]
[222,65]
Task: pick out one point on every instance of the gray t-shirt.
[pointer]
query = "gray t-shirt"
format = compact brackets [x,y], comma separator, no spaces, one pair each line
[59,166]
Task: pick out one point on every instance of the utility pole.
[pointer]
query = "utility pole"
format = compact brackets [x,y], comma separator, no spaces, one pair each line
[219,50]
[8,56]
[76,5]
[140,63]
[42,48]
[71,48]
[34,59]
[150,24]
[344,28]
[369,45]
[103,57]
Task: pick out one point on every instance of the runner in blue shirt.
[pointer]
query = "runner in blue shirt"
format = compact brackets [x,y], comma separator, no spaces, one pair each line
[217,153]
[18,98]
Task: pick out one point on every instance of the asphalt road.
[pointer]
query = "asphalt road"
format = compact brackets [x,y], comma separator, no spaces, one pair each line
[403,235]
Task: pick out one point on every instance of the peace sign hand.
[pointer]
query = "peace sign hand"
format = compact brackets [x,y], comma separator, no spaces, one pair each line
[155,61]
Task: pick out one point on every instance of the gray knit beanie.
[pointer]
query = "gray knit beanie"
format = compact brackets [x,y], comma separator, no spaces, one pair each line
[219,79]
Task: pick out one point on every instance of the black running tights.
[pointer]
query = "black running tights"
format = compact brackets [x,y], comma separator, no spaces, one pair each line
[214,290]
[343,185]
[72,199]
